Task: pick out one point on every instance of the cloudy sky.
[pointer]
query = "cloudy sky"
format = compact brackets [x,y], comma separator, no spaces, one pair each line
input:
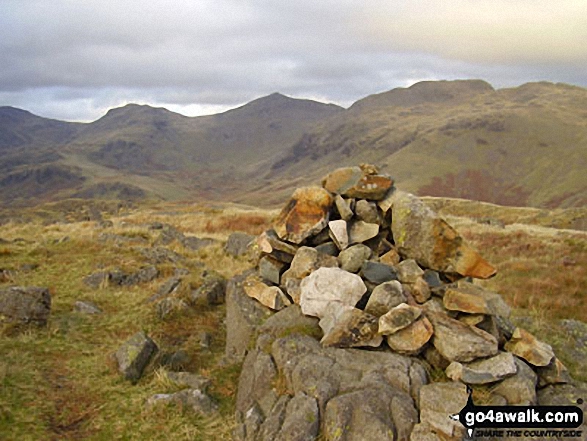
[74,59]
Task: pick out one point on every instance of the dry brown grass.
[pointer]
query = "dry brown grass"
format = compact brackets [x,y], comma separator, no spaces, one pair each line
[543,270]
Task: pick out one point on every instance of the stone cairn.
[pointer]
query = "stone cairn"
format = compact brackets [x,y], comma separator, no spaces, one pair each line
[357,263]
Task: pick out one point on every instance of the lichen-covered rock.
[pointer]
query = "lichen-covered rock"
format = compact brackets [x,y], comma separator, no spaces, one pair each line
[411,339]
[353,328]
[211,292]
[398,318]
[421,235]
[438,401]
[487,370]
[385,297]
[270,296]
[360,415]
[25,305]
[305,214]
[189,399]
[554,373]
[271,269]
[367,211]
[360,232]
[355,182]
[243,316]
[520,388]
[238,243]
[526,346]
[459,342]
[302,420]
[134,355]
[408,271]
[352,258]
[473,299]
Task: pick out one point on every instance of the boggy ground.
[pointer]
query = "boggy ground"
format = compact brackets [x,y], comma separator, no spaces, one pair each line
[59,382]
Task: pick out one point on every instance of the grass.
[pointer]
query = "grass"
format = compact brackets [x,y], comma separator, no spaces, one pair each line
[60,383]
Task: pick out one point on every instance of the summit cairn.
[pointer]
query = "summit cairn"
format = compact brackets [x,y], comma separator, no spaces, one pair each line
[357,263]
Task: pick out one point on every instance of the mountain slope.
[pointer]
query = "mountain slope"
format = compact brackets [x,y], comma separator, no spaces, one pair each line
[524,146]
[162,153]
[520,146]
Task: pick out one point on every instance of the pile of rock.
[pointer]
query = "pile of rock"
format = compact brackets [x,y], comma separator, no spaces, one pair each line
[371,267]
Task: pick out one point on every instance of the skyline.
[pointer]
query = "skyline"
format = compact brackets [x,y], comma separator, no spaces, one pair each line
[74,61]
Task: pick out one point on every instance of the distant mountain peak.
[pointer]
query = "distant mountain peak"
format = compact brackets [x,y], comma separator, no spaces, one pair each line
[426,92]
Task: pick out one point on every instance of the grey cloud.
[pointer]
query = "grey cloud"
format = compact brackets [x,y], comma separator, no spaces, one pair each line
[65,58]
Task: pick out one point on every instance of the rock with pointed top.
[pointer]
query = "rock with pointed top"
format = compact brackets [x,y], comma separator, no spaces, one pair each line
[339,233]
[385,297]
[344,208]
[362,231]
[134,355]
[411,339]
[408,271]
[353,257]
[420,290]
[367,211]
[270,296]
[422,235]
[305,215]
[391,257]
[526,346]
[398,318]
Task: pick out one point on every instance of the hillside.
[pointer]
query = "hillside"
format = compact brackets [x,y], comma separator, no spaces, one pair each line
[60,382]
[523,146]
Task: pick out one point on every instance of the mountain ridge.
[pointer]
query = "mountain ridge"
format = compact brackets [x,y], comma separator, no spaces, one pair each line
[516,146]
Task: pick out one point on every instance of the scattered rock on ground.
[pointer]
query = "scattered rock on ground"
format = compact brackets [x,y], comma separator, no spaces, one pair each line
[25,305]
[86,307]
[238,243]
[134,355]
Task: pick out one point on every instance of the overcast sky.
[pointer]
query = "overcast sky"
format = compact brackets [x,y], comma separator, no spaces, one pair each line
[74,59]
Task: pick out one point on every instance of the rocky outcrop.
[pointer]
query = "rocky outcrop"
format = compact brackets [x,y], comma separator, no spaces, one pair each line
[25,305]
[375,294]
[134,355]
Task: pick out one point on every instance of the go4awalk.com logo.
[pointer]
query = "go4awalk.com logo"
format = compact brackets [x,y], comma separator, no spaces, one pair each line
[521,421]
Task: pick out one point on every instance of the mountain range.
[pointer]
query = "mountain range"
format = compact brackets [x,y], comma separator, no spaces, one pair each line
[523,146]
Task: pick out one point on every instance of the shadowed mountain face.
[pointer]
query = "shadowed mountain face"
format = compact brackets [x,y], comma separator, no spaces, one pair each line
[520,146]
